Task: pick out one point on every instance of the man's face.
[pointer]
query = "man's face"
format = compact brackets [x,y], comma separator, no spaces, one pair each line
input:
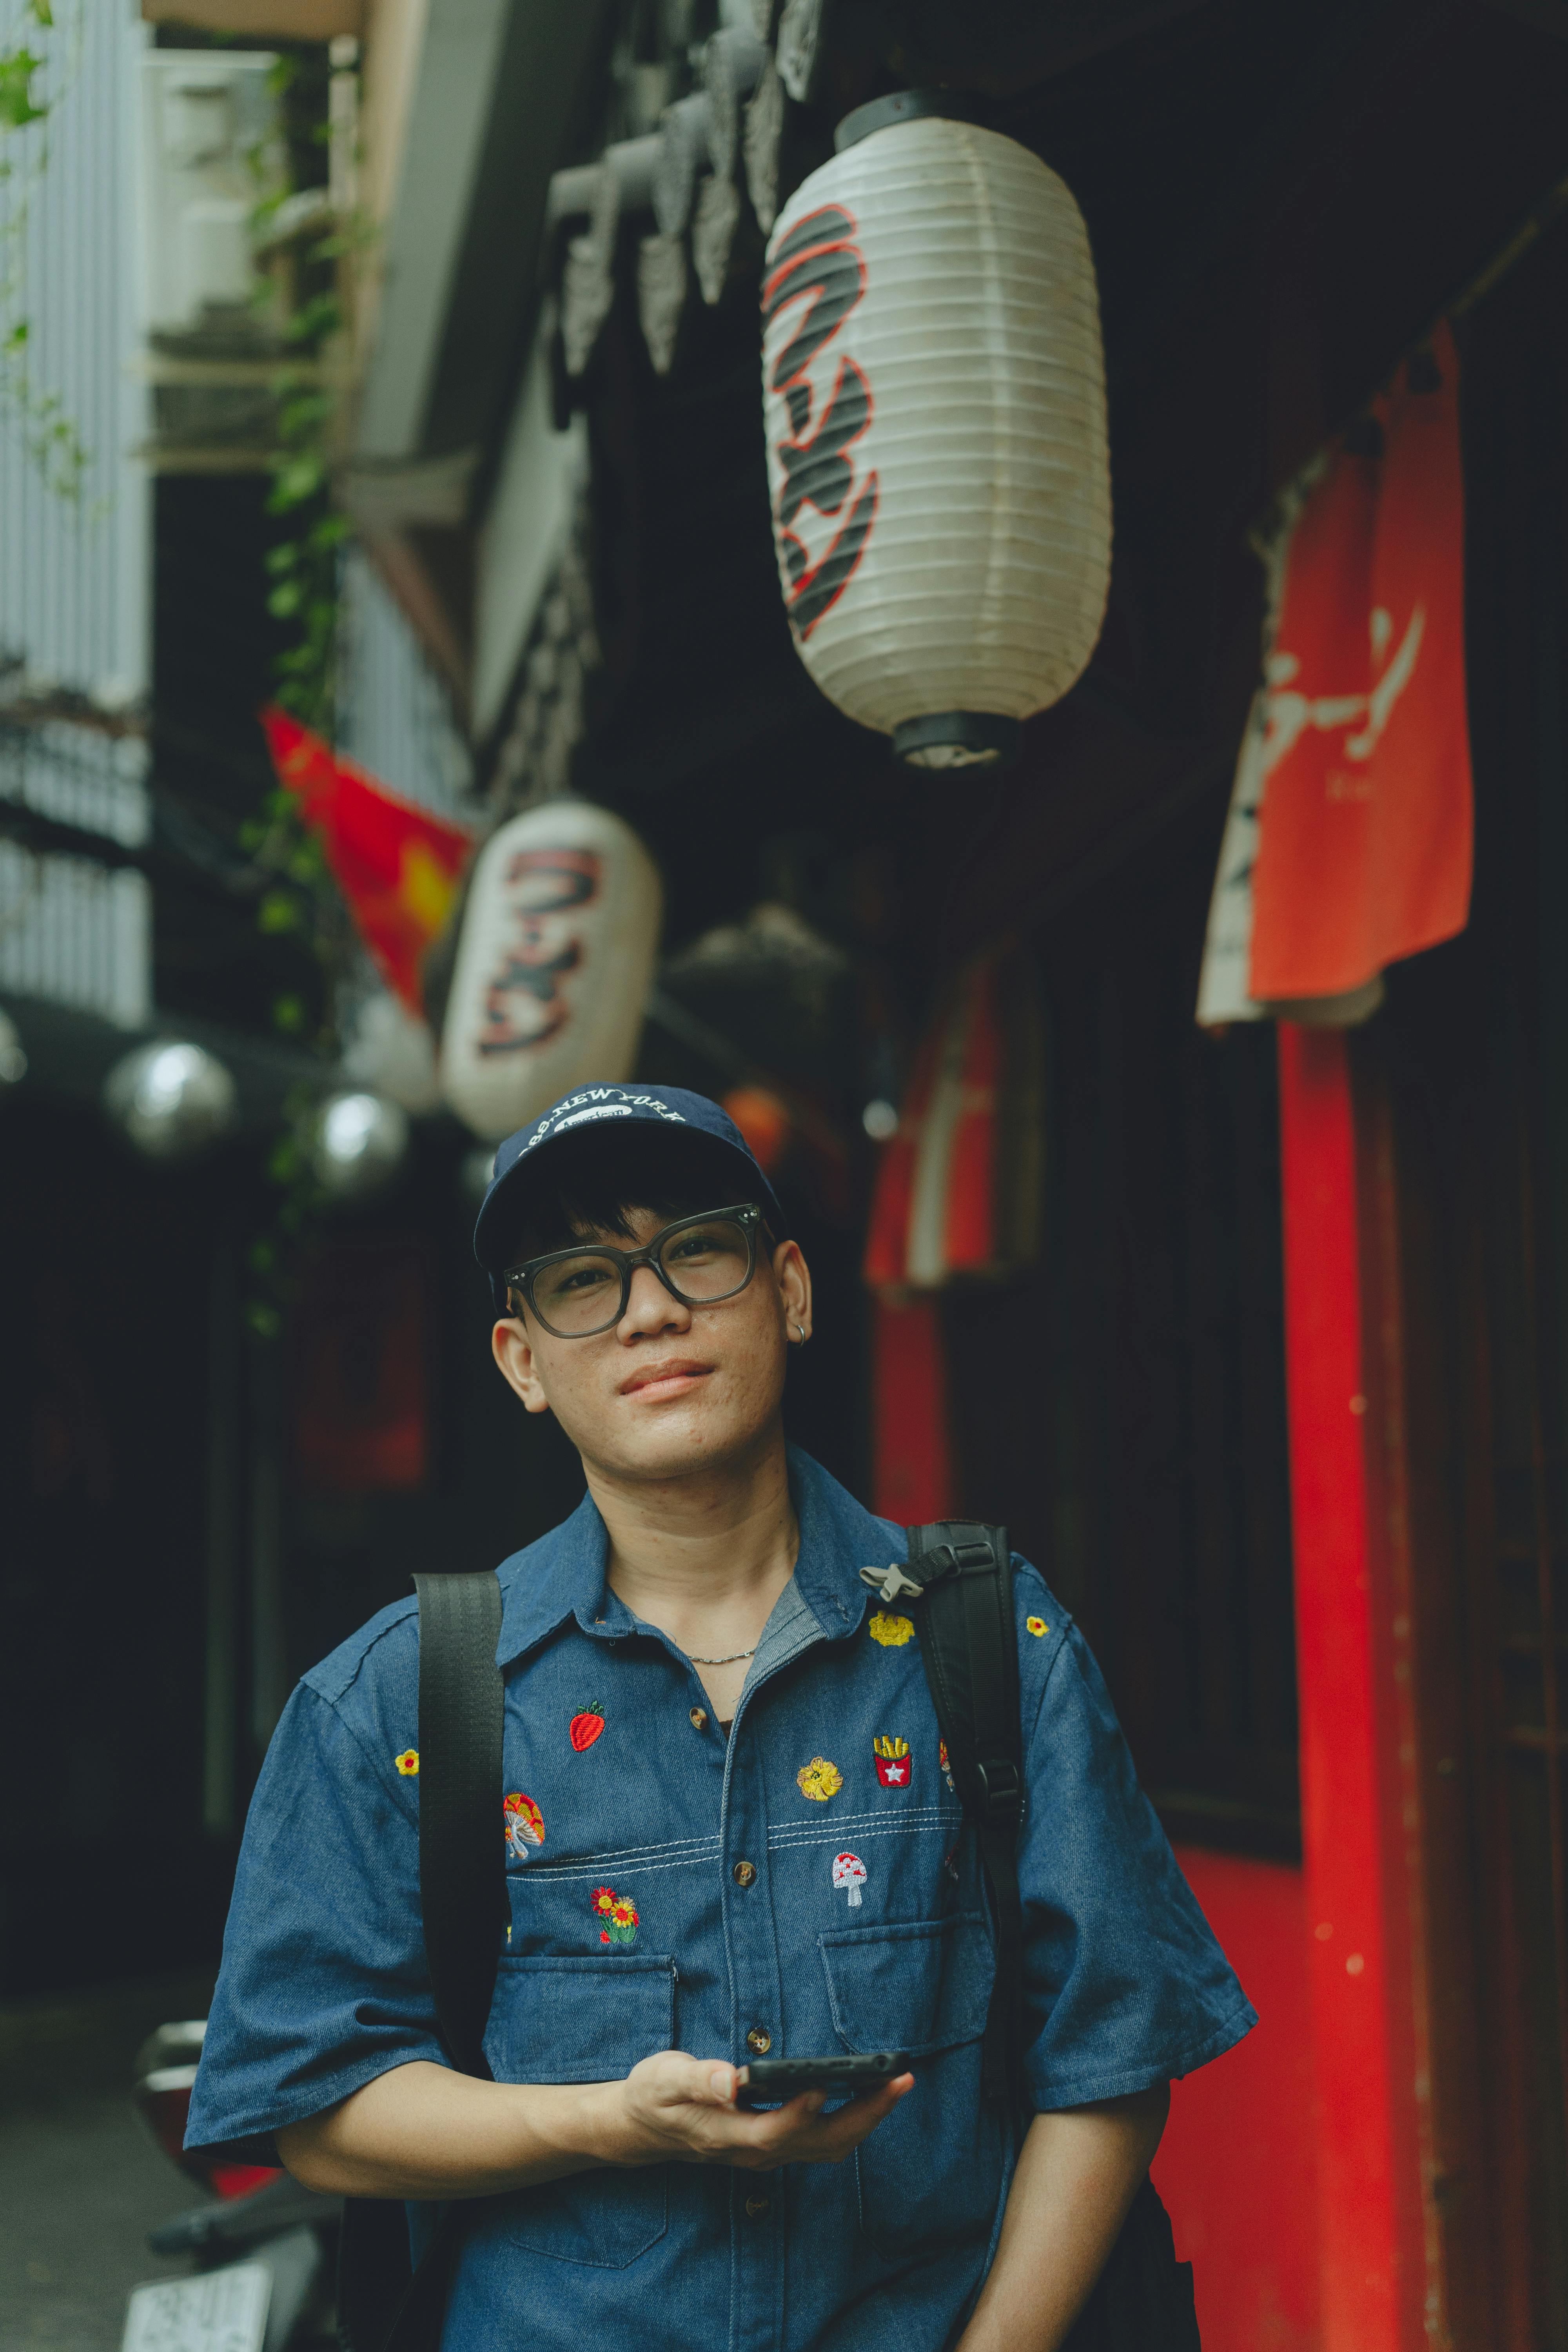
[669,1388]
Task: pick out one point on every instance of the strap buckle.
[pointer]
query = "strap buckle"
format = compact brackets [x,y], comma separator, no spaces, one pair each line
[957,1560]
[891,1583]
[1001,1790]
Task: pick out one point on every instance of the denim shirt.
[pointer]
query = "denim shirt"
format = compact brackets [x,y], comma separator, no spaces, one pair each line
[807,1886]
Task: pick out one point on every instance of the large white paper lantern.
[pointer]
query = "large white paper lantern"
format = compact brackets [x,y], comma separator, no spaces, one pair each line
[934,397]
[554,964]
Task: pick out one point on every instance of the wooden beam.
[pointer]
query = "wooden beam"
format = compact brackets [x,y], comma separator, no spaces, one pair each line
[267,20]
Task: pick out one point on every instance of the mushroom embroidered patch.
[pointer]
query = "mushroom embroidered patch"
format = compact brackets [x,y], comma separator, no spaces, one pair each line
[524,1825]
[585,1728]
[891,1631]
[409,1762]
[893,1762]
[946,1768]
[619,1914]
[849,1872]
[819,1779]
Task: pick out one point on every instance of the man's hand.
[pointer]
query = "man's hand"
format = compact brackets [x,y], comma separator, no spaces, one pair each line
[421,2131]
[682,2110]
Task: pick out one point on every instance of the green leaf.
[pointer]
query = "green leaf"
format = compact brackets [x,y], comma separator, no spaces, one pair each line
[283,1159]
[17,106]
[289,1014]
[297,480]
[300,415]
[280,910]
[321,316]
[264,1320]
[284,557]
[41,13]
[285,600]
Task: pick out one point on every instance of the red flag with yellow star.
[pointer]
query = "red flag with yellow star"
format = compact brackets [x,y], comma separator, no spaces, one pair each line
[397,866]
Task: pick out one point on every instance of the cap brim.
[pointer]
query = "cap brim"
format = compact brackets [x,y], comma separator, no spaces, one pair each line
[505,1205]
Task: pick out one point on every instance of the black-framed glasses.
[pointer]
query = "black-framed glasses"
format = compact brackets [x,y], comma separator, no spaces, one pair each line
[576,1293]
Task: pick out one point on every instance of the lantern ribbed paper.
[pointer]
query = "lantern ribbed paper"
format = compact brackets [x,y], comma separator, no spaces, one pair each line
[934,393]
[554,964]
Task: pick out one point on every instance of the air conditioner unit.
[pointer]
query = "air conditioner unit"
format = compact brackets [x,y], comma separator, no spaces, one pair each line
[211,152]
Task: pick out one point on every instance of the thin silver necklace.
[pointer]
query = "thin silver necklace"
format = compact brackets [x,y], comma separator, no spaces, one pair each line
[732,1660]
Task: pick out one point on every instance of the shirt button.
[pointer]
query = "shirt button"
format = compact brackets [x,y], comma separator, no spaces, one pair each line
[698,1718]
[757,2206]
[759,2039]
[744,1874]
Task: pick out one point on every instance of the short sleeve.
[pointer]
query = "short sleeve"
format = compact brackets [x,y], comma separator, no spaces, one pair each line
[1124,1983]
[323,1983]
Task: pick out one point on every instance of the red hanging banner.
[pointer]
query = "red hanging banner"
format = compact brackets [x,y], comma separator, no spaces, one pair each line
[1350,829]
[396,865]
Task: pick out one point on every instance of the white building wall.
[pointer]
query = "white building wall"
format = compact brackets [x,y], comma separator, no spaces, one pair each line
[75,574]
[393,716]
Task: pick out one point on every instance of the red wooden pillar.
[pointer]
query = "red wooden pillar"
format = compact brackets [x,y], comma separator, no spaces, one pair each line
[1353,1635]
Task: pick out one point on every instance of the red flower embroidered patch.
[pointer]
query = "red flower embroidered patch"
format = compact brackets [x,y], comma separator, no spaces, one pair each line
[619,1914]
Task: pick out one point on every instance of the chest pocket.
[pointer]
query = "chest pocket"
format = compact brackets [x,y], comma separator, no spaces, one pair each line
[931,2175]
[582,2021]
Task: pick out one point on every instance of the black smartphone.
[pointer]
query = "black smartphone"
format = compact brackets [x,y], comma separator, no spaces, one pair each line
[766,2079]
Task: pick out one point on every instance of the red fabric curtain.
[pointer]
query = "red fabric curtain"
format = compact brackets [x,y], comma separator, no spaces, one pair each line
[1364,843]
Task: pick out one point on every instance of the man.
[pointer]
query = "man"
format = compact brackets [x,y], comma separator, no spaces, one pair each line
[729,1830]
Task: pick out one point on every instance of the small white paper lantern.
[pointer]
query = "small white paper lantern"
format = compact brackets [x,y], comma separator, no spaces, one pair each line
[553,965]
[934,399]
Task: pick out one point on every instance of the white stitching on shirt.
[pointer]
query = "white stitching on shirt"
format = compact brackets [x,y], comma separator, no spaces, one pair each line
[835,1824]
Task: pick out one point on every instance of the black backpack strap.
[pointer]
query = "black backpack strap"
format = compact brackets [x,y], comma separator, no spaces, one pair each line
[962,1571]
[462,1844]
[382,2307]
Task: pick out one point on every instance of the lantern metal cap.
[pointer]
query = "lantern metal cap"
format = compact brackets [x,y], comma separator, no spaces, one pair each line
[910,106]
[958,738]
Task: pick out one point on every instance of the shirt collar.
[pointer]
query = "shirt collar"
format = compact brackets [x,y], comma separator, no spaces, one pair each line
[562,1575]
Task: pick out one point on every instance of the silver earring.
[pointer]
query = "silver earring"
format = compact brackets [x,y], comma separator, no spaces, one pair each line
[801,1328]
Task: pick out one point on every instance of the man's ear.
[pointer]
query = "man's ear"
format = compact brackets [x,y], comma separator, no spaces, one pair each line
[793,1275]
[509,1345]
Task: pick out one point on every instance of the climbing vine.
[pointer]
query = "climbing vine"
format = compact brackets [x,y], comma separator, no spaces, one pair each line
[304,580]
[37,60]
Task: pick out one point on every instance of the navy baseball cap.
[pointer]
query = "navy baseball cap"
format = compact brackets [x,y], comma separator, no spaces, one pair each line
[526,1155]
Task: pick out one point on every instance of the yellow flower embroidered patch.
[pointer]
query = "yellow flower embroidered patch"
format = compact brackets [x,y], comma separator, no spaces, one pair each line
[819,1779]
[891,1631]
[409,1762]
[1036,1625]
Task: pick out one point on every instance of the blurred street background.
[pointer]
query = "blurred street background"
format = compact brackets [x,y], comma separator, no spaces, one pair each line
[81,2183]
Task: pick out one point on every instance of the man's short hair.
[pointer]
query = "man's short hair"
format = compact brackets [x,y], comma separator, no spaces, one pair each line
[595,1181]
